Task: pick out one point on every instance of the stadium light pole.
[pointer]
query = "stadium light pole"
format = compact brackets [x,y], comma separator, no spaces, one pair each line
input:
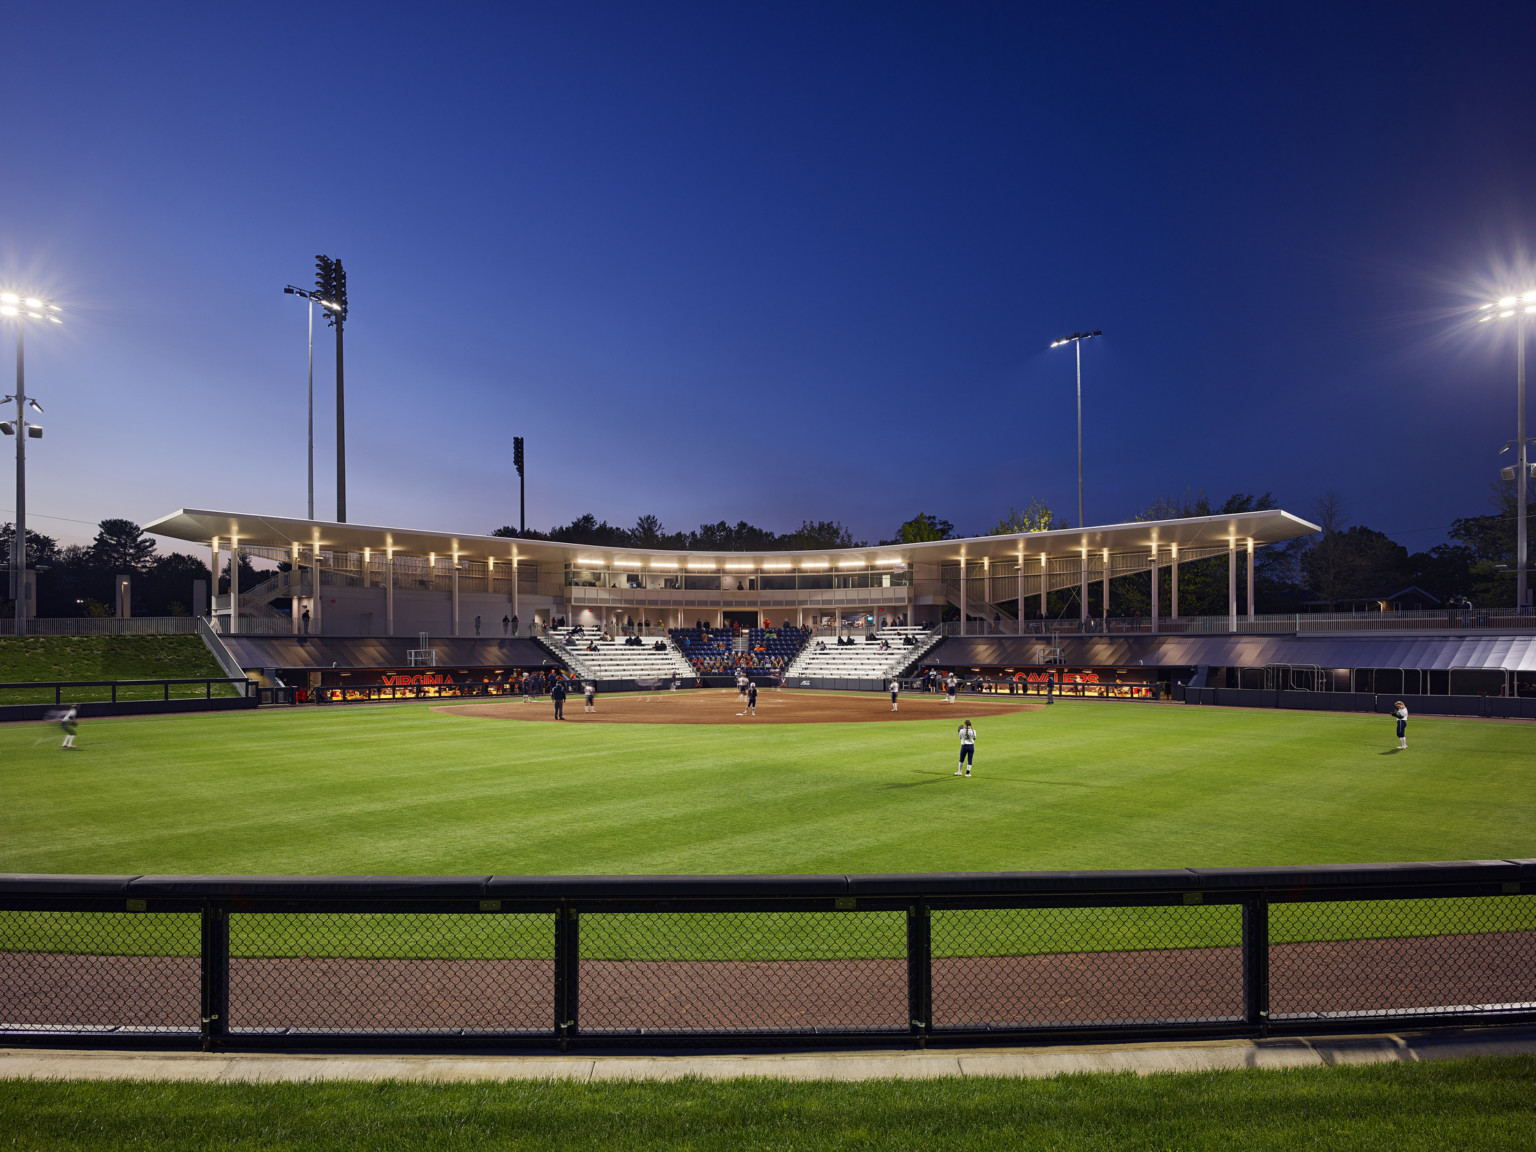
[310,297]
[1517,307]
[22,309]
[1076,339]
[331,288]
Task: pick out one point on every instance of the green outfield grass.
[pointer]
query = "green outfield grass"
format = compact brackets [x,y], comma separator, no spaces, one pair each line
[403,789]
[1465,1105]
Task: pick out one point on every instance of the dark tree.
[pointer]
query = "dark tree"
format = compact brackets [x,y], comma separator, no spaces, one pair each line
[121,546]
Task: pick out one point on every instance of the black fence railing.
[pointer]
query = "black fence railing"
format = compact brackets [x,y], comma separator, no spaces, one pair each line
[782,960]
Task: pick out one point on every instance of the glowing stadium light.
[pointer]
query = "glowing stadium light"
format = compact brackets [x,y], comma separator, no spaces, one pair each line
[663,564]
[626,563]
[815,564]
[778,566]
[851,564]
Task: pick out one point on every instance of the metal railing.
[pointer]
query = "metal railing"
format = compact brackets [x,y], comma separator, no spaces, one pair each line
[563,961]
[102,626]
[1283,624]
[61,692]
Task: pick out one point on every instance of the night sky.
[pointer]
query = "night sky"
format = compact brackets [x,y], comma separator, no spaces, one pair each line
[769,262]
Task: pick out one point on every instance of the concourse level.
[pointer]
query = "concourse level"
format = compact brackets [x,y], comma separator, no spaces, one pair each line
[361,580]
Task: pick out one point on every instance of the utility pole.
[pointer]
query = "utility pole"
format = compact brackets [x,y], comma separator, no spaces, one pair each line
[331,287]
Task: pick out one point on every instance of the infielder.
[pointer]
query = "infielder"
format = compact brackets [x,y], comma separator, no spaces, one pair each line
[895,691]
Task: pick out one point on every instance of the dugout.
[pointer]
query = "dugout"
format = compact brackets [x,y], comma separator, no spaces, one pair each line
[1106,682]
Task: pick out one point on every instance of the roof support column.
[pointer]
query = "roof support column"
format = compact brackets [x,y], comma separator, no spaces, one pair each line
[234,585]
[293,587]
[454,561]
[213,546]
[515,581]
[1082,592]
[963,575]
[315,599]
[1173,572]
[1021,592]
[1250,580]
[1232,585]
[1044,586]
[1105,577]
[1155,589]
[389,592]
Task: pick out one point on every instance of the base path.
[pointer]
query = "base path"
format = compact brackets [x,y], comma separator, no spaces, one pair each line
[723,706]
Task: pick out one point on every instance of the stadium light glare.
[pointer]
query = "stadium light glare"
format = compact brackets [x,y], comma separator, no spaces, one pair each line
[9,310]
[778,566]
[663,564]
[627,563]
[10,298]
[1506,301]
[851,564]
[815,564]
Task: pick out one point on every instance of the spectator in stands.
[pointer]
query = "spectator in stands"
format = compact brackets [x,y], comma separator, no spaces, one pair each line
[506,622]
[514,625]
[477,625]
[305,619]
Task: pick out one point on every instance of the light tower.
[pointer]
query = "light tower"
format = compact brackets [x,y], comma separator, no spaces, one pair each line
[23,310]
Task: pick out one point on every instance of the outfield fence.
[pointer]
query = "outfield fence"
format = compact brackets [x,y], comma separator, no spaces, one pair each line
[558,962]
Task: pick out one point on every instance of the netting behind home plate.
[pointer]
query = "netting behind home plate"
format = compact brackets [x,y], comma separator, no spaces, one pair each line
[792,959]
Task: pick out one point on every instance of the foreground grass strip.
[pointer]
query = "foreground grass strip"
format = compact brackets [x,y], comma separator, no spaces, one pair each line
[1468,1104]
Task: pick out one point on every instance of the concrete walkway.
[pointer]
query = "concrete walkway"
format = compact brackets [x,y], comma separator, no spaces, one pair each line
[1143,1059]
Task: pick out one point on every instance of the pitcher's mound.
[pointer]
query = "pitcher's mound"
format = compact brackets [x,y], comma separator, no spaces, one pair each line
[721,706]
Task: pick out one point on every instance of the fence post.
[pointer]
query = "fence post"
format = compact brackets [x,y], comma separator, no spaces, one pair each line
[567,967]
[1256,964]
[919,973]
[215,972]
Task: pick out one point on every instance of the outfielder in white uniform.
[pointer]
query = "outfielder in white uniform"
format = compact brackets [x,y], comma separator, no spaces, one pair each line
[895,690]
[967,749]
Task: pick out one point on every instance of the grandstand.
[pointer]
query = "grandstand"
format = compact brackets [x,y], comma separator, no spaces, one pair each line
[623,658]
[722,652]
[877,655]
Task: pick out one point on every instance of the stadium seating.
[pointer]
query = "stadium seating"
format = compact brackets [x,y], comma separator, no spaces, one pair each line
[616,660]
[718,652]
[863,659]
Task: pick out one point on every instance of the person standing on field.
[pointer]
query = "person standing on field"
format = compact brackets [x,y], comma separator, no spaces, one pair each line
[557,694]
[1400,710]
[895,690]
[950,684]
[591,695]
[752,697]
[66,720]
[967,749]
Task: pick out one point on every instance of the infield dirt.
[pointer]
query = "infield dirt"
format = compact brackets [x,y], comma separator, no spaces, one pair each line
[723,706]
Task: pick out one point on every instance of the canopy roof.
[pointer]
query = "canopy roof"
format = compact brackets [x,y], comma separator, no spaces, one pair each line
[1201,532]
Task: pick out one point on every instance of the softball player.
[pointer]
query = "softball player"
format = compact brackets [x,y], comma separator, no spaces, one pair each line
[967,749]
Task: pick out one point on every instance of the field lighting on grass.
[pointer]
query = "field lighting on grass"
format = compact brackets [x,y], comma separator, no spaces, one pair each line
[1517,307]
[23,310]
[1076,339]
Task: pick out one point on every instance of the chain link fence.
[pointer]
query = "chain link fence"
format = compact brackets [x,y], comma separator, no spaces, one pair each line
[563,961]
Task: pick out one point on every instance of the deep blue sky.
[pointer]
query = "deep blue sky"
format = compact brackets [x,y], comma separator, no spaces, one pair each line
[769,261]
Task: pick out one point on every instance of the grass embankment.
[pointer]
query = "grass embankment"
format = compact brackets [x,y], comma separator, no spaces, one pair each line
[1466,1105]
[401,789]
[30,659]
